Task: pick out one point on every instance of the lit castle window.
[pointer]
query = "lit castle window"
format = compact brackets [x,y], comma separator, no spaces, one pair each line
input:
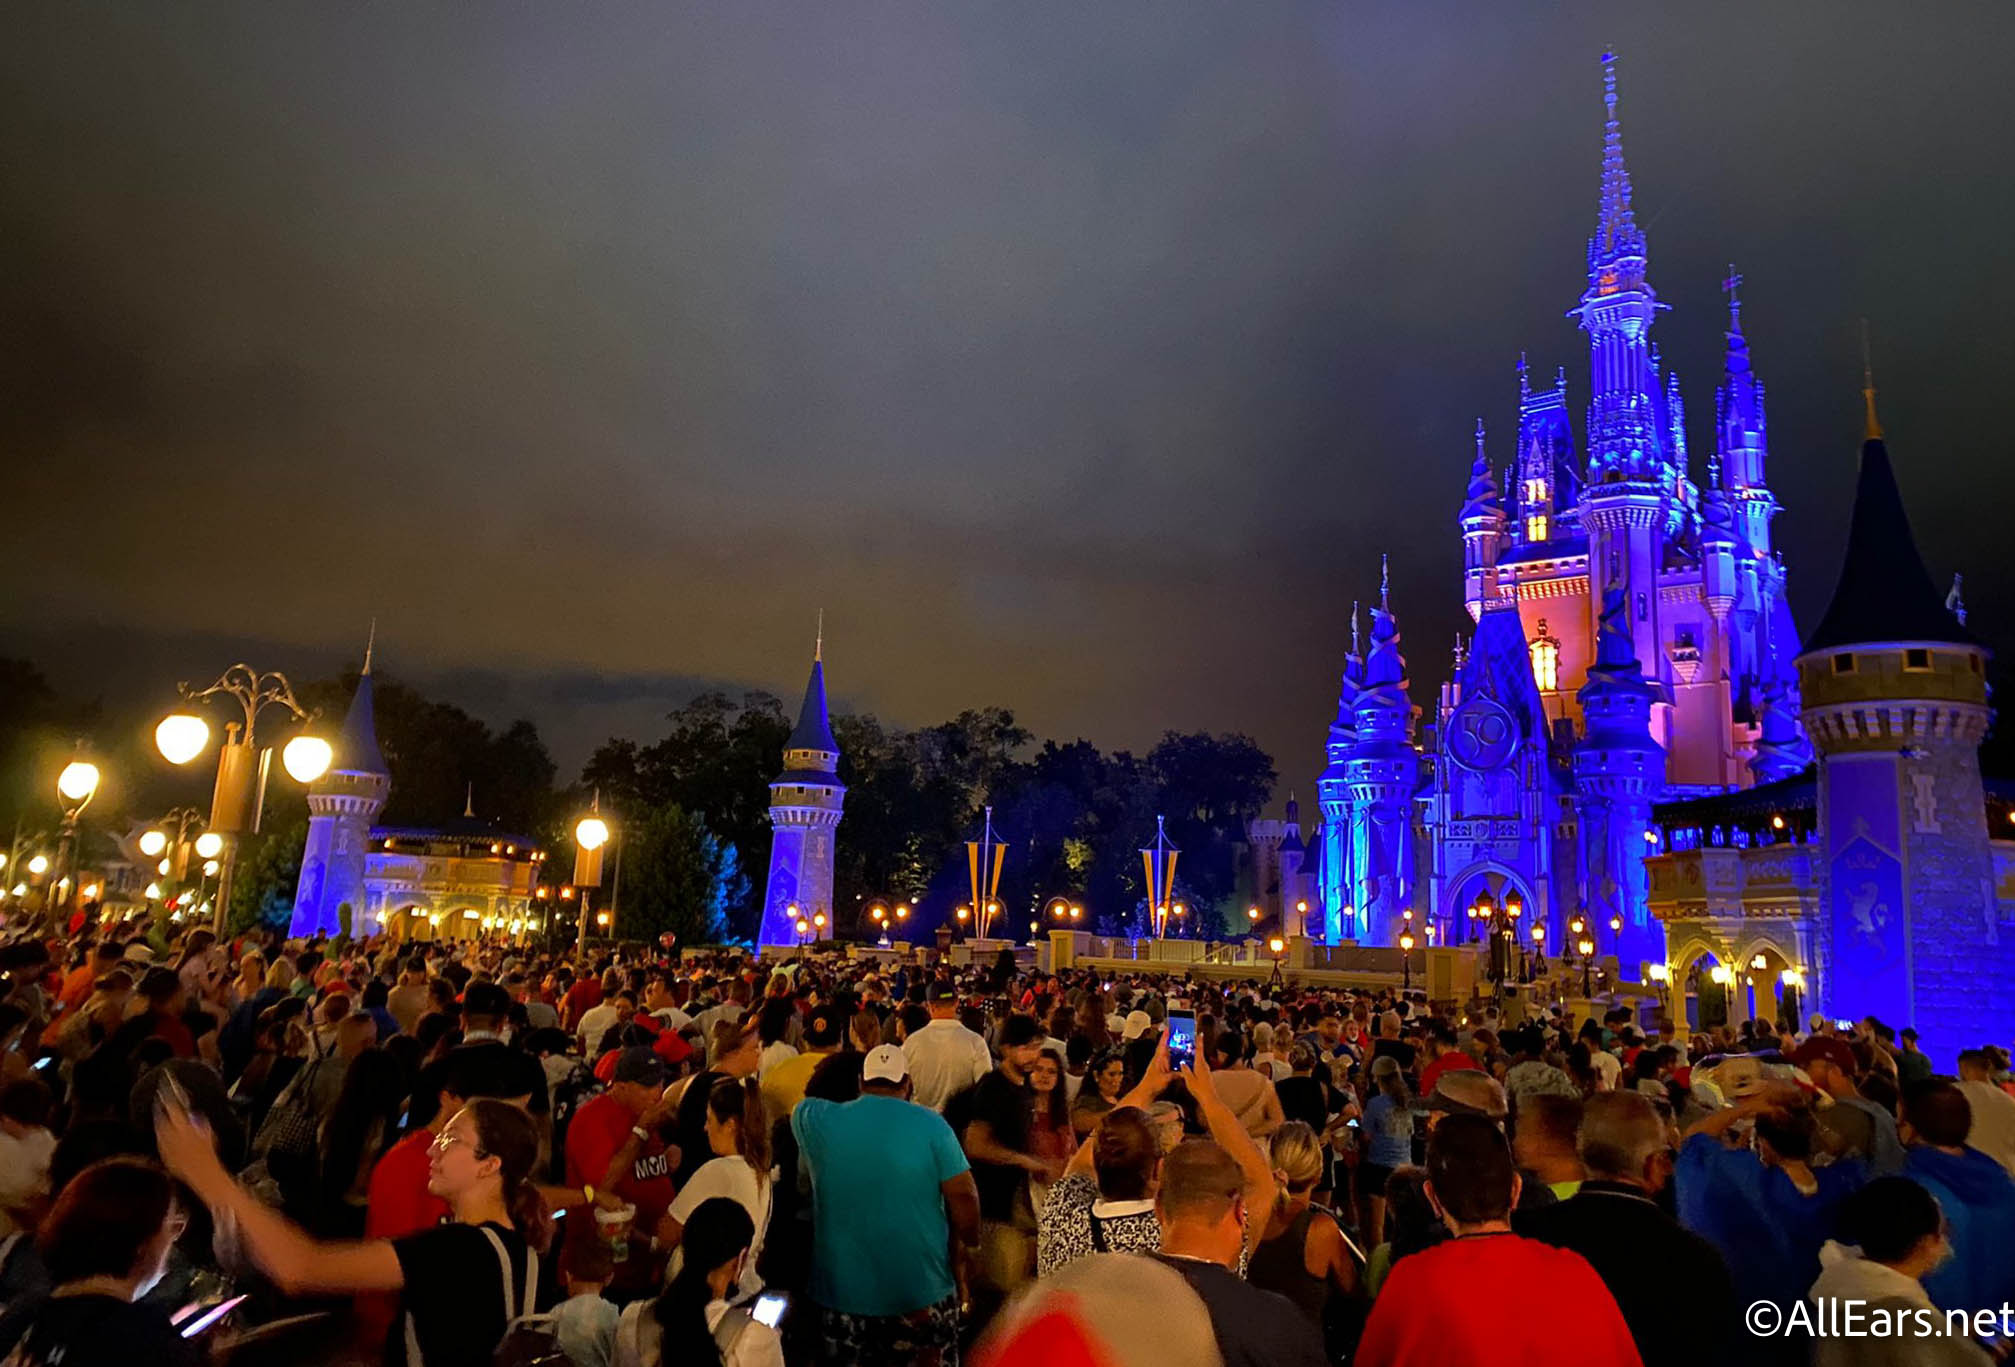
[1535,527]
[1546,660]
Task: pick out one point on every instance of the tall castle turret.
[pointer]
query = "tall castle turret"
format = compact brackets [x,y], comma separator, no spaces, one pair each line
[1895,701]
[1382,771]
[1483,534]
[805,802]
[342,804]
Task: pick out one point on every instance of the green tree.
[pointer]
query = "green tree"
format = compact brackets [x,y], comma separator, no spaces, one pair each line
[268,874]
[678,876]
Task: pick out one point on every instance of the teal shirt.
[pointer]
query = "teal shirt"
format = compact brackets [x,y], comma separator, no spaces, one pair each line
[881,1240]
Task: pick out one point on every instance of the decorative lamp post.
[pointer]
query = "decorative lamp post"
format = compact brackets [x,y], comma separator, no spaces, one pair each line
[591,835]
[1793,982]
[238,799]
[75,787]
[1586,948]
[964,913]
[1406,962]
[1276,944]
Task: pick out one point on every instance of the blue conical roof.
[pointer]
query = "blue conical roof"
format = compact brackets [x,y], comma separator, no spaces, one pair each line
[357,746]
[814,731]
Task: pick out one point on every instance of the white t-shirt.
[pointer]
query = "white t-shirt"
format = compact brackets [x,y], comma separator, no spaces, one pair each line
[24,1171]
[595,1022]
[730,1176]
[772,1055]
[944,1059]
[1608,1068]
[1993,1131]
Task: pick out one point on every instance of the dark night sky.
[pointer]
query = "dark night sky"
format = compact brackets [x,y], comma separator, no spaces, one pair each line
[1074,357]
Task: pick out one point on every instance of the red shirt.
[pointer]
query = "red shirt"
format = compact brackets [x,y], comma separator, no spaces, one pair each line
[597,1130]
[1451,1062]
[580,997]
[1496,1298]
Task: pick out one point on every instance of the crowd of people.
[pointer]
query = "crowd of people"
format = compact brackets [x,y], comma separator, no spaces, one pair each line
[458,1154]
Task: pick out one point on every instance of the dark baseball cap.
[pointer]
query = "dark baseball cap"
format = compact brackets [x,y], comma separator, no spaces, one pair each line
[638,1064]
[941,990]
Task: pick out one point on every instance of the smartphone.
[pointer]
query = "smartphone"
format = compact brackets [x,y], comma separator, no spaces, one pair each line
[1843,1025]
[208,1319]
[45,1060]
[769,1308]
[1181,1039]
[1351,1123]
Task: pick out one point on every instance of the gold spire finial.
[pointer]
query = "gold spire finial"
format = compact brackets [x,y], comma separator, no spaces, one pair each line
[1874,431]
[819,641]
[370,642]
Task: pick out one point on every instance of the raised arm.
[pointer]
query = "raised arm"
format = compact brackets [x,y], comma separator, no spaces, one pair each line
[1141,1096]
[1224,1127]
[296,1261]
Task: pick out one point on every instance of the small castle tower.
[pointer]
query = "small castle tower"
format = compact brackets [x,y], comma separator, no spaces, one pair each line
[1618,770]
[1382,771]
[1293,855]
[805,802]
[1483,534]
[342,804]
[1895,700]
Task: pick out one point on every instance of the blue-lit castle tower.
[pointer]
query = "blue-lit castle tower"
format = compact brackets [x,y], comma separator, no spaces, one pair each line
[342,804]
[805,803]
[1381,774]
[1895,693]
[1632,643]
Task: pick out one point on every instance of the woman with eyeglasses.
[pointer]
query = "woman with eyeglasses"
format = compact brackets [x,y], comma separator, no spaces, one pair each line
[104,1244]
[462,1283]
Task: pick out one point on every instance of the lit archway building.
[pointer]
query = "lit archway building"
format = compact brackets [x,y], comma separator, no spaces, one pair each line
[457,881]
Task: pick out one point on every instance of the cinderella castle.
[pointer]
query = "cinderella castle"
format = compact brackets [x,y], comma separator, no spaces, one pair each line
[1632,645]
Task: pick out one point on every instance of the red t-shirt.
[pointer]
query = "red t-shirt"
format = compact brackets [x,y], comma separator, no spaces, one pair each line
[597,1130]
[1496,1298]
[1455,1060]
[580,997]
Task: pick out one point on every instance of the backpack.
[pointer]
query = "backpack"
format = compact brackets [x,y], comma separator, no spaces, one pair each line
[291,1127]
[530,1339]
[640,1342]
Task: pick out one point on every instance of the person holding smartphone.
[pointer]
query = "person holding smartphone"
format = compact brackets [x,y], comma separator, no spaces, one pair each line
[105,1245]
[692,1322]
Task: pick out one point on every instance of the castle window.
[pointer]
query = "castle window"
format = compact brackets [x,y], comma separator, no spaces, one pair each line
[1973,663]
[1535,491]
[1545,660]
[1843,664]
[1917,661]
[1535,527]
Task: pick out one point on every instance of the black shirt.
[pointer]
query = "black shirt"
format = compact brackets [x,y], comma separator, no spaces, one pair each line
[1003,1105]
[1254,1328]
[93,1331]
[1641,1253]
[1304,1099]
[454,1291]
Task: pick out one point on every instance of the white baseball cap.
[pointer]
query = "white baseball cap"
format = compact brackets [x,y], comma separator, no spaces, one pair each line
[1138,1023]
[885,1063]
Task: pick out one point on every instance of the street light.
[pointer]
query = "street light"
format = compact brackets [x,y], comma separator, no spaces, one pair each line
[1586,948]
[1406,961]
[209,845]
[39,865]
[239,797]
[153,842]
[76,786]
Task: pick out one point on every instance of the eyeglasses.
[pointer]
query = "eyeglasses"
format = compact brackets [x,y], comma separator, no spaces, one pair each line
[449,1139]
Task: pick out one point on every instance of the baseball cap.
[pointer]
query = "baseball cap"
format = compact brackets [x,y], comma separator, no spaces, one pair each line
[885,1063]
[638,1064]
[1468,1091]
[1834,1051]
[1138,1023]
[941,990]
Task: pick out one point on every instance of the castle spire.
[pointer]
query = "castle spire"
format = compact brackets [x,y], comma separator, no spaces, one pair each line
[1384,583]
[370,643]
[469,800]
[1616,232]
[819,641]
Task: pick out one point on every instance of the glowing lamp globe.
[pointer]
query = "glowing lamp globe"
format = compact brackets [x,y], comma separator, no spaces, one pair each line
[39,865]
[307,758]
[181,737]
[153,842]
[210,869]
[153,892]
[1406,942]
[592,833]
[1276,944]
[78,780]
[209,845]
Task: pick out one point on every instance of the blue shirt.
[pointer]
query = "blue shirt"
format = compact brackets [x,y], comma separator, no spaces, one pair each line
[1388,1129]
[1767,1230]
[1979,1204]
[881,1238]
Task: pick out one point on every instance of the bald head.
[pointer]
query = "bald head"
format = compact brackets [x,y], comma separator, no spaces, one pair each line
[1621,1132]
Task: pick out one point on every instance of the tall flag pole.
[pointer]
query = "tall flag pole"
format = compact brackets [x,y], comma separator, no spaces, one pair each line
[985,858]
[1159,860]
